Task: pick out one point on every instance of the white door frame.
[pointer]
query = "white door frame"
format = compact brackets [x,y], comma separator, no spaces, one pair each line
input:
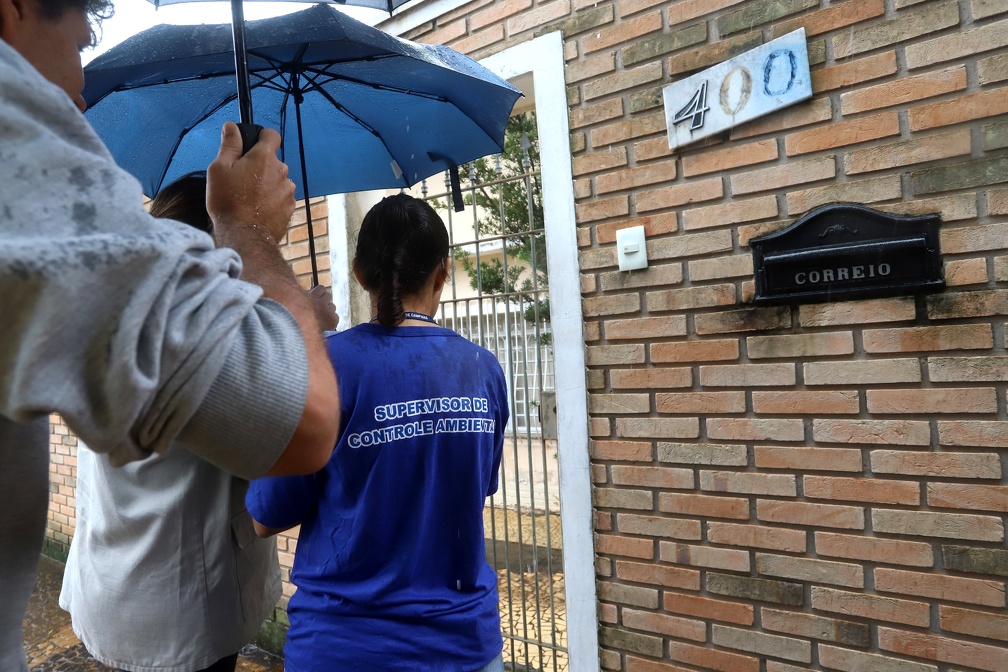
[542,58]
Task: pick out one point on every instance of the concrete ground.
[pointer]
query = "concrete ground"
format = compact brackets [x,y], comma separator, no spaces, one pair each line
[51,645]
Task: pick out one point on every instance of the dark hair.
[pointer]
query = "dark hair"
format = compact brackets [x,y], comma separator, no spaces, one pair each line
[95,10]
[184,200]
[401,242]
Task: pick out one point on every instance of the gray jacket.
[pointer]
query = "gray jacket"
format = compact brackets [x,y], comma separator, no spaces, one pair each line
[134,329]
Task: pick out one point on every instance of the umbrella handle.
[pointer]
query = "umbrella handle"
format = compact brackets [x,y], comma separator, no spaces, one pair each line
[250,136]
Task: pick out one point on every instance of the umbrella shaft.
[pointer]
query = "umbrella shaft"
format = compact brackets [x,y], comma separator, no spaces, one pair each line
[241,61]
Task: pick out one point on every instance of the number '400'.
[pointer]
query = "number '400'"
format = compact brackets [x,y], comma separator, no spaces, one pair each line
[779,72]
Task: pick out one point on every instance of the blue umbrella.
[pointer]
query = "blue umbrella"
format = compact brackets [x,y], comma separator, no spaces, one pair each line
[364,109]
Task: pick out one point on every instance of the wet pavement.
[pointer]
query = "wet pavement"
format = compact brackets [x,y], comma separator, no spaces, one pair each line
[51,646]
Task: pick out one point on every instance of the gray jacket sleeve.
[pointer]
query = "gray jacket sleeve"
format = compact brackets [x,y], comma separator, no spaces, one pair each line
[136,330]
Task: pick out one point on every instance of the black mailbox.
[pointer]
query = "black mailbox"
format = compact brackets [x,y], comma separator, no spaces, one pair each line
[847,251]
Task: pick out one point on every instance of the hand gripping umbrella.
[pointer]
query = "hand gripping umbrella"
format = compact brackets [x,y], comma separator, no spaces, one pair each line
[370,110]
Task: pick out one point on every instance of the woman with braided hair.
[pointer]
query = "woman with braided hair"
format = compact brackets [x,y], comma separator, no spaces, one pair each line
[390,569]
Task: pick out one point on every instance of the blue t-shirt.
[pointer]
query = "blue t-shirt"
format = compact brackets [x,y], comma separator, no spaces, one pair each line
[391,569]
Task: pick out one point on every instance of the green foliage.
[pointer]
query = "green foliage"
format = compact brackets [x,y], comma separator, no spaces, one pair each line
[508,201]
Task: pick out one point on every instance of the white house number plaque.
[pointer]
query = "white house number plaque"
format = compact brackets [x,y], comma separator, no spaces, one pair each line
[738,90]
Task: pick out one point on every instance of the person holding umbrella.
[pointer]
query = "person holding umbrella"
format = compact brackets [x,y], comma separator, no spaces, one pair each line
[138,331]
[391,569]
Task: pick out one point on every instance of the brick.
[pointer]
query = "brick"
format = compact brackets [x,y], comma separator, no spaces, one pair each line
[827,20]
[819,344]
[805,402]
[653,276]
[611,305]
[786,175]
[808,459]
[957,46]
[646,49]
[759,13]
[692,9]
[731,213]
[658,526]
[640,665]
[967,304]
[992,69]
[844,133]
[944,649]
[883,188]
[702,453]
[874,549]
[693,244]
[699,57]
[671,626]
[589,68]
[707,506]
[618,132]
[602,159]
[761,643]
[981,9]
[610,404]
[645,327]
[615,206]
[977,173]
[654,225]
[810,515]
[538,16]
[650,379]
[972,240]
[929,339]
[734,321]
[995,136]
[622,80]
[622,498]
[708,608]
[941,587]
[696,351]
[980,433]
[621,451]
[847,660]
[870,490]
[761,590]
[933,401]
[629,30]
[634,177]
[756,429]
[631,547]
[997,201]
[870,607]
[976,623]
[658,428]
[967,107]
[968,496]
[781,485]
[966,272]
[624,640]
[941,525]
[758,536]
[733,156]
[701,403]
[652,476]
[905,27]
[816,627]
[810,570]
[654,148]
[908,152]
[809,112]
[903,90]
[851,73]
[614,355]
[681,194]
[641,101]
[862,372]
[747,375]
[736,266]
[972,369]
[975,560]
[731,560]
[691,298]
[939,465]
[659,575]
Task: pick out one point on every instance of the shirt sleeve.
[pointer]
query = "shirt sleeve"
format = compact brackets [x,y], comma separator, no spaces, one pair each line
[282,502]
[136,330]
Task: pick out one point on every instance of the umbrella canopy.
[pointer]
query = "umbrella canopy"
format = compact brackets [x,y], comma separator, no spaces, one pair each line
[375,111]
